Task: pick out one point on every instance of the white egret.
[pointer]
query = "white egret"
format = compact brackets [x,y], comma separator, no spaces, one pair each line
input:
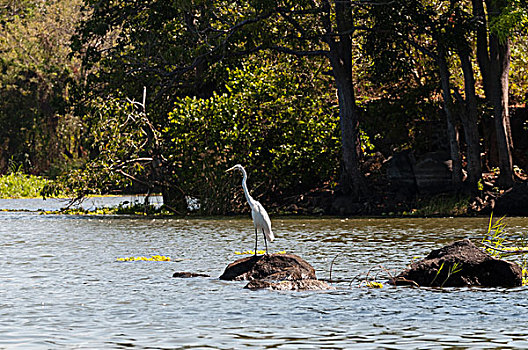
[261,219]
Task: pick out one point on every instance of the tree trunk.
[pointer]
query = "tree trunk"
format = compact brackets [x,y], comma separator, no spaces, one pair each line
[470,122]
[500,67]
[340,56]
[352,179]
[493,56]
[483,58]
[452,132]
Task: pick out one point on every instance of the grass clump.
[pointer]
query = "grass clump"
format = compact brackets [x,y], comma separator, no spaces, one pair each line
[442,205]
[20,185]
[500,246]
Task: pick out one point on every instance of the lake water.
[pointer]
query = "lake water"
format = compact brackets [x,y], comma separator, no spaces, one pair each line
[61,286]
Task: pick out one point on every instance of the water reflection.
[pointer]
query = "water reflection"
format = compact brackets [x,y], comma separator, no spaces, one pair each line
[62,288]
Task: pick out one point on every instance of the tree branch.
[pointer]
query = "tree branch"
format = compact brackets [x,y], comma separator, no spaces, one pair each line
[302,53]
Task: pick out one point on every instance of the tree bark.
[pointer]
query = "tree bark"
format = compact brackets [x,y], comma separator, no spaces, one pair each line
[352,180]
[500,67]
[483,58]
[493,55]
[452,131]
[340,56]
[470,121]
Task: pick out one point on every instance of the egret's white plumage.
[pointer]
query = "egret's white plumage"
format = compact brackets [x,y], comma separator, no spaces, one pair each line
[261,219]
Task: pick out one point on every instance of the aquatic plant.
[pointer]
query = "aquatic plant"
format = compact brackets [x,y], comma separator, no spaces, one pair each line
[121,209]
[374,284]
[144,258]
[495,237]
[80,211]
[497,244]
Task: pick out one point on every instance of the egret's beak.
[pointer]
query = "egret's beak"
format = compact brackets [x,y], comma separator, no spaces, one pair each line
[230,169]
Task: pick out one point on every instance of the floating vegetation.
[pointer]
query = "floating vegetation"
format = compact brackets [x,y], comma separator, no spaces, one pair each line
[373,284]
[252,252]
[80,211]
[121,209]
[145,258]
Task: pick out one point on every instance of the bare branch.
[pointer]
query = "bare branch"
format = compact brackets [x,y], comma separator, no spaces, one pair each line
[133,178]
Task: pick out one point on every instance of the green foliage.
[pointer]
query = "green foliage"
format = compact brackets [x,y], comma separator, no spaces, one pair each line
[284,131]
[519,69]
[35,75]
[508,18]
[20,185]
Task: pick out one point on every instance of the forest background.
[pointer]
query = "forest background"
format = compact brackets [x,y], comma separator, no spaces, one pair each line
[338,107]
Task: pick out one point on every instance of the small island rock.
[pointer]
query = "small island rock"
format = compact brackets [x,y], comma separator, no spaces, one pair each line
[299,285]
[474,267]
[188,275]
[276,272]
[275,267]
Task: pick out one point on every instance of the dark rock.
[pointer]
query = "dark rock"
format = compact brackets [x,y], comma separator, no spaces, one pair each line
[346,205]
[477,268]
[299,285]
[433,173]
[188,275]
[274,267]
[400,172]
[513,202]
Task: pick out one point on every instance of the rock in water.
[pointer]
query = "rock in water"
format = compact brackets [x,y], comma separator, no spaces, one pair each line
[276,271]
[299,285]
[475,268]
[275,266]
[188,275]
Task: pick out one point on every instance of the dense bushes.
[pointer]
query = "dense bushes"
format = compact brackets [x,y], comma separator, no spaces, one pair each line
[283,130]
[20,185]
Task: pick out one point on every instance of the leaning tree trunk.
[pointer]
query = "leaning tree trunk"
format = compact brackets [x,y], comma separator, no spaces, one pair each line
[470,122]
[452,132]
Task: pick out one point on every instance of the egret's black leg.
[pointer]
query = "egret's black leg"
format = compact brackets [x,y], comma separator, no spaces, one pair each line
[256,238]
[265,241]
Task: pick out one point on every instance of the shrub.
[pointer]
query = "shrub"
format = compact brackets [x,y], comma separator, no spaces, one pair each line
[283,131]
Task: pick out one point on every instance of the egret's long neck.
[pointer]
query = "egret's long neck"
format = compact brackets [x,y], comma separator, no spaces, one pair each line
[244,186]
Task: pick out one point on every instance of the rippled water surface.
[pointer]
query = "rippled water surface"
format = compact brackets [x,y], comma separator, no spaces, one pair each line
[61,286]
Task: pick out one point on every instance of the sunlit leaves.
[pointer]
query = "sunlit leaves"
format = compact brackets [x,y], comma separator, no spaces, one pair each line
[508,18]
[283,129]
